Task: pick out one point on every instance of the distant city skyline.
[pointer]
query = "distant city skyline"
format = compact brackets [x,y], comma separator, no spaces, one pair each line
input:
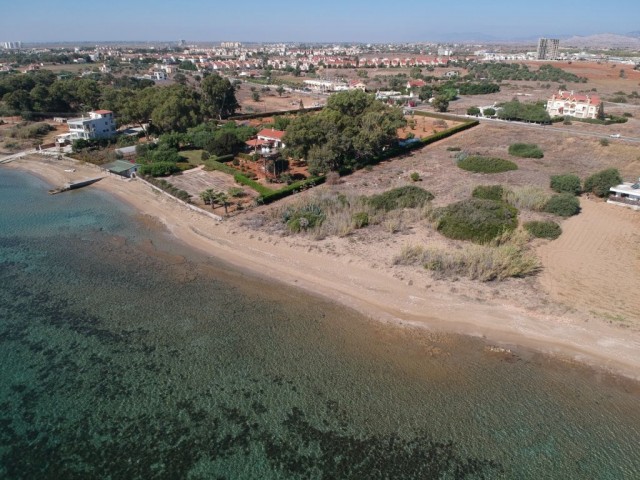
[327,21]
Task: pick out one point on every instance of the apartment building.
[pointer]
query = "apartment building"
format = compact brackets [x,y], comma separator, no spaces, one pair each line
[99,124]
[548,48]
[570,104]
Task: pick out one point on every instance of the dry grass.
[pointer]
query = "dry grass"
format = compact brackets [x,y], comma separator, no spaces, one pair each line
[506,257]
[527,198]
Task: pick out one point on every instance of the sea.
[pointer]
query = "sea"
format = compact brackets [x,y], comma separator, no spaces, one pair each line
[126,355]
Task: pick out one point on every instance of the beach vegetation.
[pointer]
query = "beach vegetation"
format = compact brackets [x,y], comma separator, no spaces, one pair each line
[329,214]
[543,229]
[600,183]
[480,164]
[527,198]
[563,204]
[489,192]
[408,196]
[525,150]
[566,183]
[505,257]
[475,219]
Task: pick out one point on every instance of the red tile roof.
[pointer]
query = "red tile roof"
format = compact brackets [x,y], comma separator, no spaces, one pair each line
[577,97]
[271,133]
[103,112]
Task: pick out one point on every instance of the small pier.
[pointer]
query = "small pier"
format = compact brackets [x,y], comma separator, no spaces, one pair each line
[74,185]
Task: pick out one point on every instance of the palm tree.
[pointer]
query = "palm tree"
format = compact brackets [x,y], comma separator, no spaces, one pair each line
[205,197]
[223,199]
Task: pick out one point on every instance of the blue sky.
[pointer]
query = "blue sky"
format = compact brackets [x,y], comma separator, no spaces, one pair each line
[312,21]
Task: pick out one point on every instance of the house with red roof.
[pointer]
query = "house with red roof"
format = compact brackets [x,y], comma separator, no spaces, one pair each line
[415,84]
[570,104]
[272,136]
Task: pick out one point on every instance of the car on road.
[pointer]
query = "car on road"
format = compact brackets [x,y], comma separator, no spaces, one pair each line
[615,135]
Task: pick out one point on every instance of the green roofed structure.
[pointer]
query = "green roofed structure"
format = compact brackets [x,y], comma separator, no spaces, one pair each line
[122,168]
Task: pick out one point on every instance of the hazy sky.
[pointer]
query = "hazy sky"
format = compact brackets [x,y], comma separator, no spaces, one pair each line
[310,20]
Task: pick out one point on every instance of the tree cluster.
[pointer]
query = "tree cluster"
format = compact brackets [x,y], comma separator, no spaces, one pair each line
[173,108]
[524,112]
[516,71]
[353,128]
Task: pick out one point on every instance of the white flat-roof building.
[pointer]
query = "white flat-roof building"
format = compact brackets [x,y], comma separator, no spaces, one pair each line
[99,124]
[626,194]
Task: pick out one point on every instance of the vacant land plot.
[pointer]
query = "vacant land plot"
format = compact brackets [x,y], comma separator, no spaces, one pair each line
[270,101]
[421,126]
[594,266]
[198,180]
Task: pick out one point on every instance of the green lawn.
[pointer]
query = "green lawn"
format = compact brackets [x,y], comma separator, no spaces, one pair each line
[194,157]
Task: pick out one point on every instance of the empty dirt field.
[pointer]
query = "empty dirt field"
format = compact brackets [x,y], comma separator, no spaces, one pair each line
[595,264]
[270,101]
[422,126]
[197,180]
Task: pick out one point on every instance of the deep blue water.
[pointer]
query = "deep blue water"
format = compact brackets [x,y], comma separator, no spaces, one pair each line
[125,355]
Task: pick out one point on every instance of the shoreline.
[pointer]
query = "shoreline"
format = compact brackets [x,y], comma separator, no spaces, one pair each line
[370,291]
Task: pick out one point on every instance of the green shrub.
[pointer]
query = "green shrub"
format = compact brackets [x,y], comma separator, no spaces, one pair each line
[604,142]
[303,218]
[489,112]
[290,189]
[600,183]
[548,229]
[480,164]
[566,184]
[360,219]
[476,219]
[236,192]
[185,166]
[453,149]
[525,150]
[488,192]
[415,177]
[402,197]
[563,204]
[159,169]
[475,111]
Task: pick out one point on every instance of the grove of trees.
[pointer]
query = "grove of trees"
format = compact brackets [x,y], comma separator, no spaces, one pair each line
[169,108]
[352,129]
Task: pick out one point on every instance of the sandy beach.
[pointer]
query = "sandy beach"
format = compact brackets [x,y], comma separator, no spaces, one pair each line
[373,290]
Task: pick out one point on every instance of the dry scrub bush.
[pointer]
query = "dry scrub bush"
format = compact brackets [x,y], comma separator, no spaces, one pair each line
[506,257]
[341,214]
[527,198]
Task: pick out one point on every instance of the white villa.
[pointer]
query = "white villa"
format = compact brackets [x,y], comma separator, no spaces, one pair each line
[569,104]
[99,124]
[626,194]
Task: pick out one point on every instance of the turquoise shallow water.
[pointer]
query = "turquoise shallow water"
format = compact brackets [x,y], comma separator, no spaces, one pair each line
[124,355]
